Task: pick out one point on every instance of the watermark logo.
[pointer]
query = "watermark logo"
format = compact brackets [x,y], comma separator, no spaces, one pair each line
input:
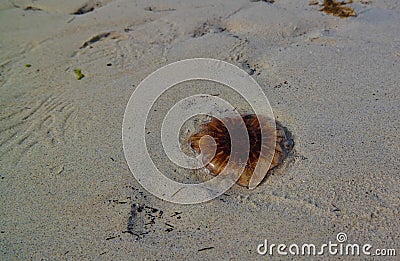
[341,237]
[138,109]
[339,248]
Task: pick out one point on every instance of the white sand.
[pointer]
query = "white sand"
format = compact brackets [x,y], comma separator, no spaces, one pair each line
[67,192]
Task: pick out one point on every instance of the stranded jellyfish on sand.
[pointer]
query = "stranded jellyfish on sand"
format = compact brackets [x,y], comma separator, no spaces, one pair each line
[216,152]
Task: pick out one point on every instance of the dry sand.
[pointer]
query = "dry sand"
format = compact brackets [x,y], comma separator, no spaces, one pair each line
[66,190]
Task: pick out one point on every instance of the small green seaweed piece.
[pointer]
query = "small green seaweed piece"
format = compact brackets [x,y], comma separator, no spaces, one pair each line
[79,74]
[28,65]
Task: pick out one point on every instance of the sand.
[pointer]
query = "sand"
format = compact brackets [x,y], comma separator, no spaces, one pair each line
[67,192]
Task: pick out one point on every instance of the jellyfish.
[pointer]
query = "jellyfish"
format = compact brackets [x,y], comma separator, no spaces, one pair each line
[216,152]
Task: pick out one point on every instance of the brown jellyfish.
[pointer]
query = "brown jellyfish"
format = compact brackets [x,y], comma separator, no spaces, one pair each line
[216,152]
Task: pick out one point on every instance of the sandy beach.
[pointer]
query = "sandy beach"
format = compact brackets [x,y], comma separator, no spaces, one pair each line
[68,69]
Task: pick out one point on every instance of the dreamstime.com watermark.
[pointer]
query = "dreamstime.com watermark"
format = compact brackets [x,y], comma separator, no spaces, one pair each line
[338,248]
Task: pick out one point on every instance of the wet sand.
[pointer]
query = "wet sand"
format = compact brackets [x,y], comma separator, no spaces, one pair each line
[67,191]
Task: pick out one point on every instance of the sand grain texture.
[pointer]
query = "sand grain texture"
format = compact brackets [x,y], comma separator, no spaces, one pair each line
[65,188]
